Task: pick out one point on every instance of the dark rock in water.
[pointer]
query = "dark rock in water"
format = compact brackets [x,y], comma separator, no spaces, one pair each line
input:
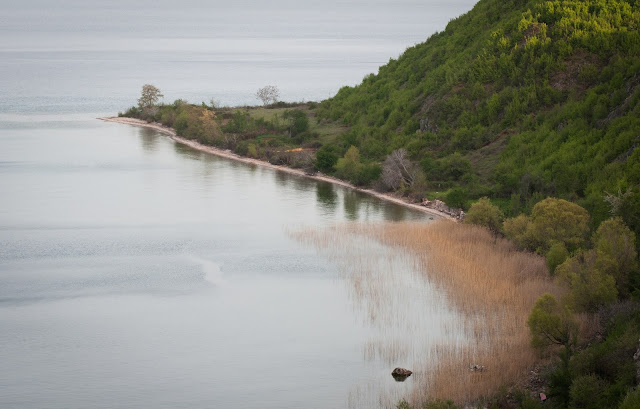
[400,374]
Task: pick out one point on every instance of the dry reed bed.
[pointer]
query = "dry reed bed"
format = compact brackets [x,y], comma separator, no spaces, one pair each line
[490,284]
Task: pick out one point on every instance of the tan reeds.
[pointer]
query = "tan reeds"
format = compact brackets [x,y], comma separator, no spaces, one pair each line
[486,281]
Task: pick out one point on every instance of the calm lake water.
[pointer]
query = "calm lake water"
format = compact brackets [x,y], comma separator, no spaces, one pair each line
[135,272]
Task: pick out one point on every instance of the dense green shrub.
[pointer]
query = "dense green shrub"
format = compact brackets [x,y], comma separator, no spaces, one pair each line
[552,323]
[484,213]
[457,198]
[239,122]
[552,221]
[632,400]
[556,255]
[589,287]
[588,392]
[299,122]
[615,247]
[326,159]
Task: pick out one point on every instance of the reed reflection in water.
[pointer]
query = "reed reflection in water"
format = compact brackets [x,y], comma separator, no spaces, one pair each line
[441,297]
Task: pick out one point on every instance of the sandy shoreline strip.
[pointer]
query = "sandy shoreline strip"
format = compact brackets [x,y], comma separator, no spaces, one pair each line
[230,155]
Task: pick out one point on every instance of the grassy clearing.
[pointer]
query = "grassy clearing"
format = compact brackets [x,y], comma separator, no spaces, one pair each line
[486,281]
[269,114]
[327,131]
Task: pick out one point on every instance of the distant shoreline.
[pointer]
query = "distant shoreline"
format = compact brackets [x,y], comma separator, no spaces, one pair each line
[230,155]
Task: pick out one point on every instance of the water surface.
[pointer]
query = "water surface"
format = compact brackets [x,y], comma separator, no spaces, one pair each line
[93,56]
[136,272]
[139,272]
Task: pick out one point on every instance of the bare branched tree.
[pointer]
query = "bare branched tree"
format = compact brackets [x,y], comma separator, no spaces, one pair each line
[214,103]
[616,200]
[149,97]
[398,170]
[268,94]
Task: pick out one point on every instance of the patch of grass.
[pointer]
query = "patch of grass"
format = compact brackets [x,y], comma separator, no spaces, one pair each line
[327,131]
[269,114]
[271,136]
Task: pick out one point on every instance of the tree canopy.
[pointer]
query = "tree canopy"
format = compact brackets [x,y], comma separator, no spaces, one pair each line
[484,213]
[149,97]
[560,221]
[615,247]
[551,323]
[552,221]
[589,286]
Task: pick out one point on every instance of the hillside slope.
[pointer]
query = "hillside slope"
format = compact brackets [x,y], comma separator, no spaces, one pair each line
[517,100]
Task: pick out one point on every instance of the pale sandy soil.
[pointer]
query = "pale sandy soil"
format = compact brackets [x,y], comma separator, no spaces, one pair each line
[230,155]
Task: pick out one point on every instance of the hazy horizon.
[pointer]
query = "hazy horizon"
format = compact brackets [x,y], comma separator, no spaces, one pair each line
[198,50]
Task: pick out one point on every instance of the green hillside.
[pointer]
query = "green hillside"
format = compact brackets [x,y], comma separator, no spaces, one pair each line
[516,100]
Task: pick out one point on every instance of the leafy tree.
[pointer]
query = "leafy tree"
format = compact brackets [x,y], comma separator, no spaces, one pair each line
[181,123]
[551,323]
[326,159]
[450,168]
[367,173]
[597,277]
[208,127]
[348,166]
[560,221]
[556,255]
[268,94]
[455,166]
[196,122]
[560,380]
[238,123]
[457,197]
[484,213]
[149,97]
[616,255]
[588,392]
[552,221]
[589,287]
[299,122]
[519,230]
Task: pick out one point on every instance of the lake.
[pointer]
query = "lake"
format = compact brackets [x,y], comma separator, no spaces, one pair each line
[136,272]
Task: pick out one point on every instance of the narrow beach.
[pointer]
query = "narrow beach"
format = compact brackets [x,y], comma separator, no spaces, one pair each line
[230,155]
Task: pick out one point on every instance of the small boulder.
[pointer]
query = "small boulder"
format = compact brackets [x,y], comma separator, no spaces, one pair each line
[400,374]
